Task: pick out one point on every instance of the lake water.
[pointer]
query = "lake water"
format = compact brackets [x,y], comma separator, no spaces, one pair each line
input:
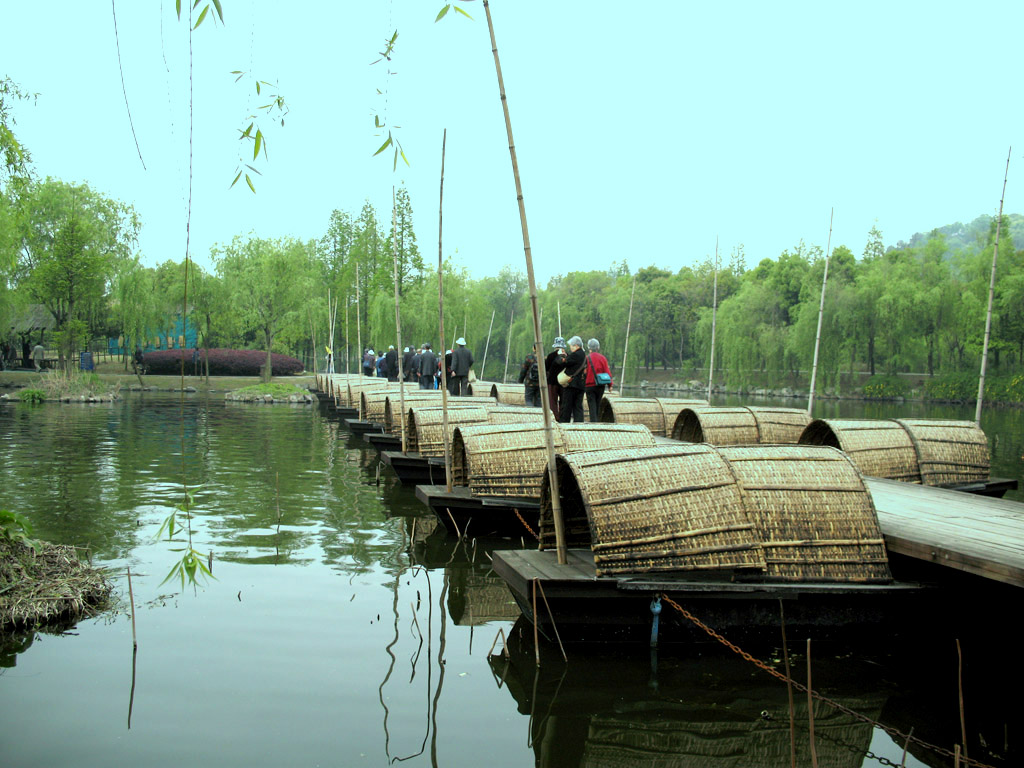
[340,631]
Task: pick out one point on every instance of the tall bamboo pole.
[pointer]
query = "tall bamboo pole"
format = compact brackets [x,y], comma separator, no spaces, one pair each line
[556,502]
[991,293]
[821,314]
[483,366]
[359,327]
[559,305]
[398,321]
[440,327]
[714,324]
[508,346]
[348,352]
[625,347]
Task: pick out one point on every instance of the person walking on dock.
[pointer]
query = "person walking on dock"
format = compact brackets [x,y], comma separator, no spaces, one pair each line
[428,367]
[407,356]
[554,363]
[599,376]
[391,363]
[462,361]
[529,377]
[573,393]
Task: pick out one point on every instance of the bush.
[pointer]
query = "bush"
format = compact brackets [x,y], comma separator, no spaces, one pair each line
[885,387]
[223,362]
[32,396]
[964,387]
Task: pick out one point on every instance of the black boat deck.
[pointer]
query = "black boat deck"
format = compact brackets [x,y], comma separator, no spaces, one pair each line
[383,441]
[464,514]
[414,469]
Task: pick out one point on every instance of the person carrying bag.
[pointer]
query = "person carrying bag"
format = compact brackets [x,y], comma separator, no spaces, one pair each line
[573,384]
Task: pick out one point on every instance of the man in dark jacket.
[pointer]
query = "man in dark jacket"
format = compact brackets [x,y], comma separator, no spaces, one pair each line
[462,361]
[529,377]
[553,364]
[573,392]
[391,363]
[428,367]
[407,356]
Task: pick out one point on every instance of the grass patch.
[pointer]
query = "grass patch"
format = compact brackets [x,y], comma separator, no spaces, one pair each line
[32,396]
[274,388]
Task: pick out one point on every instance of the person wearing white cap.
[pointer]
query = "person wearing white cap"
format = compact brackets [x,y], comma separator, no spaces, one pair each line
[462,361]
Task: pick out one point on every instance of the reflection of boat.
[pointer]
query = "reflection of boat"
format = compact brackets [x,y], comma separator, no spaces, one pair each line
[715,710]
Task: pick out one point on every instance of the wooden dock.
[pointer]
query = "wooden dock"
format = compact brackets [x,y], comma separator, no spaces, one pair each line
[464,514]
[977,534]
[414,469]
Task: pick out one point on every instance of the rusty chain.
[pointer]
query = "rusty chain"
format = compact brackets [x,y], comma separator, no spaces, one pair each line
[526,525]
[890,730]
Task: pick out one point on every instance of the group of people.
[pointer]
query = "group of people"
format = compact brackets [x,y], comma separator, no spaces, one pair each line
[30,357]
[423,366]
[572,374]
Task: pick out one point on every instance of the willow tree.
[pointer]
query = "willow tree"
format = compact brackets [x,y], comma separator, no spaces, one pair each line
[267,282]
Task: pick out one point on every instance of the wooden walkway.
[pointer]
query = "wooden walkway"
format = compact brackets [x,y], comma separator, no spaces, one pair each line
[976,534]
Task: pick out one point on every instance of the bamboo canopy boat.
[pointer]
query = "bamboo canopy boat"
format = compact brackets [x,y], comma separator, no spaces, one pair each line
[658,414]
[943,453]
[739,425]
[737,528]
[506,394]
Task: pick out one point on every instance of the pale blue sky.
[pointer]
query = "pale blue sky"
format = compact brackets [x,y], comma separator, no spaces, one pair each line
[643,131]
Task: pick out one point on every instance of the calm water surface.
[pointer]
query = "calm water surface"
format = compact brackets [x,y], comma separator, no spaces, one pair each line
[340,631]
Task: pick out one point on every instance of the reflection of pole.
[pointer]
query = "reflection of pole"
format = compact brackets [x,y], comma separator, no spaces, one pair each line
[398,321]
[625,347]
[483,366]
[556,502]
[508,346]
[440,673]
[714,323]
[821,313]
[440,309]
[991,291]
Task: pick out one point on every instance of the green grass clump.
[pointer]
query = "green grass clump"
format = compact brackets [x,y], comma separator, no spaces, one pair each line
[274,388]
[32,396]
[885,387]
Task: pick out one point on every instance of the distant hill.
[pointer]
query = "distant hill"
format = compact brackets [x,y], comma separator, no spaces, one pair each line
[969,237]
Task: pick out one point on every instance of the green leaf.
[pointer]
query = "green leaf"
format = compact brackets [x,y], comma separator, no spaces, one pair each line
[220,11]
[259,143]
[237,177]
[249,182]
[254,170]
[394,166]
[376,122]
[404,157]
[463,13]
[442,12]
[383,146]
[257,87]
[177,6]
[201,17]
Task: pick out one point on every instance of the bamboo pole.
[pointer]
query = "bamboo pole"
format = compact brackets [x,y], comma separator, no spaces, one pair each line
[625,347]
[359,327]
[559,305]
[714,326]
[440,309]
[348,352]
[334,323]
[508,347]
[821,314]
[483,366]
[556,503]
[991,293]
[398,322]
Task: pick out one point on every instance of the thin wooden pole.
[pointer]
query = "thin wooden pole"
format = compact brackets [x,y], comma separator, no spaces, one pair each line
[991,293]
[348,352]
[398,322]
[556,502]
[821,314]
[714,325]
[483,366]
[810,709]
[508,347]
[359,327]
[559,305]
[625,347]
[440,309]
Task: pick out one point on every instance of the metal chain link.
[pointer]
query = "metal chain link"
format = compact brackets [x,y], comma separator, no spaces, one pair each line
[526,525]
[894,732]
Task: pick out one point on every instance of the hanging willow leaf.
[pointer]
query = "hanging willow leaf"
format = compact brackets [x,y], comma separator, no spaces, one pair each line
[177,7]
[463,13]
[441,14]
[220,11]
[249,182]
[237,177]
[383,146]
[201,17]
[404,157]
[258,144]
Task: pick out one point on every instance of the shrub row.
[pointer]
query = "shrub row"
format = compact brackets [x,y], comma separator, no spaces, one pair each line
[964,387]
[223,362]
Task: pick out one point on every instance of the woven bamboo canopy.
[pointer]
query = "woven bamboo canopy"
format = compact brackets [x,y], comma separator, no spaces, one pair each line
[658,414]
[432,398]
[349,393]
[509,394]
[928,451]
[371,402]
[426,426]
[509,460]
[739,425]
[782,512]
